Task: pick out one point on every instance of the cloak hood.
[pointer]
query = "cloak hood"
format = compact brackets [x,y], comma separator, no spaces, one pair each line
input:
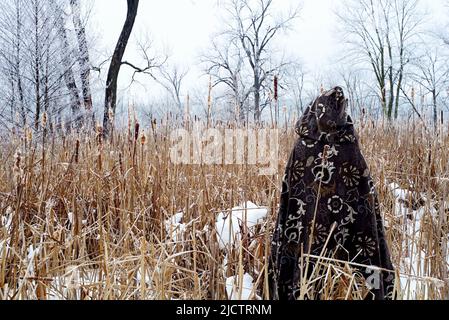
[326,119]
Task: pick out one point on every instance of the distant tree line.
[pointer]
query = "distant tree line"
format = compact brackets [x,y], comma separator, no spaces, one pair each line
[392,65]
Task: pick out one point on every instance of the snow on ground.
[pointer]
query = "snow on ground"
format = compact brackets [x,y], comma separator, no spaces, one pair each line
[228,228]
[6,219]
[399,194]
[233,287]
[228,224]
[174,228]
[6,222]
[413,273]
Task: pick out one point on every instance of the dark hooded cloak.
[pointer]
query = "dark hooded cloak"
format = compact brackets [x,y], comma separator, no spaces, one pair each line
[327,187]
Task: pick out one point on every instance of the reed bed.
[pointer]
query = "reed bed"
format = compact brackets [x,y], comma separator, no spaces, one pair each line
[86,218]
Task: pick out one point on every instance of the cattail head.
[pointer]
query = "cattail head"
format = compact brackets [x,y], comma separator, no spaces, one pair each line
[17,169]
[143,139]
[17,160]
[28,134]
[154,125]
[99,130]
[136,131]
[111,115]
[77,151]
[44,120]
[276,88]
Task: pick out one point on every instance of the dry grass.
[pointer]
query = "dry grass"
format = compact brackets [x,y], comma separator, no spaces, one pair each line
[119,194]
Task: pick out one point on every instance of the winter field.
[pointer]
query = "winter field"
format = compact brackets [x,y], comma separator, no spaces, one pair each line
[83,218]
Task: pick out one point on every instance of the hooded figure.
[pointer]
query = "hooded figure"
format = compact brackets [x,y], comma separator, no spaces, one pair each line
[328,204]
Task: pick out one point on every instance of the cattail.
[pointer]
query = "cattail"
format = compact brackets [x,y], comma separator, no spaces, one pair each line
[17,117]
[136,131]
[18,160]
[28,134]
[77,151]
[413,95]
[111,115]
[44,120]
[143,138]
[276,88]
[99,128]
[99,132]
[18,170]
[154,125]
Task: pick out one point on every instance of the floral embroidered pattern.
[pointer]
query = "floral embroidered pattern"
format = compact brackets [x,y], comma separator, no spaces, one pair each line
[294,224]
[324,172]
[320,234]
[297,170]
[335,204]
[365,245]
[302,131]
[350,175]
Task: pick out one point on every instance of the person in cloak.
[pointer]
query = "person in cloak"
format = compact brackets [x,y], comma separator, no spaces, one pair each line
[328,206]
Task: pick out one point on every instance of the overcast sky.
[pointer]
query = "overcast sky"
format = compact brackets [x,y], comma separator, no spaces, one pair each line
[184,28]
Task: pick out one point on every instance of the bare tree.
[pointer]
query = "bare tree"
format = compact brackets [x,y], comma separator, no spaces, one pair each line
[116,63]
[295,85]
[11,33]
[432,74]
[225,63]
[254,23]
[69,77]
[171,78]
[362,96]
[382,34]
[37,57]
[84,60]
[42,56]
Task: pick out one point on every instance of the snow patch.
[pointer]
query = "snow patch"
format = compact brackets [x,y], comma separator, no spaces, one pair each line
[233,287]
[414,279]
[228,225]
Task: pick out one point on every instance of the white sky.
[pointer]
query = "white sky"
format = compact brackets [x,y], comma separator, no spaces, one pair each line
[185,28]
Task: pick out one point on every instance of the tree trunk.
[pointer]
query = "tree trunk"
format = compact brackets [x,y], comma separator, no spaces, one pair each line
[69,78]
[37,65]
[13,100]
[256,98]
[116,62]
[46,84]
[84,60]
[398,91]
[435,111]
[257,106]
[18,52]
[391,97]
